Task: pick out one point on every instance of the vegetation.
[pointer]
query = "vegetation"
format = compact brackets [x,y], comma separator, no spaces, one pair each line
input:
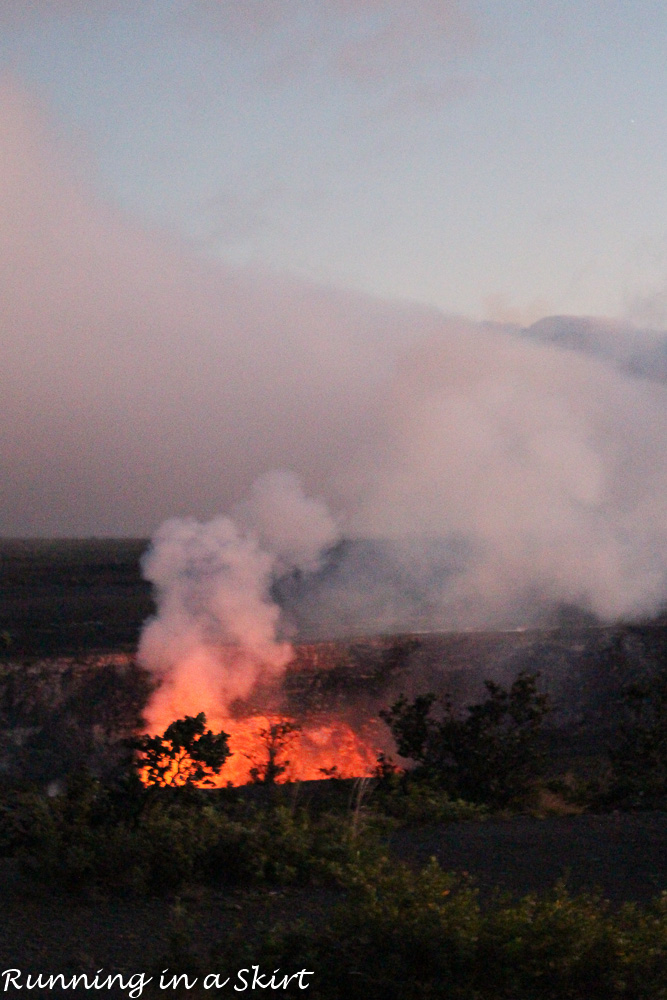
[378,928]
[490,755]
[405,935]
[414,801]
[186,754]
[167,831]
[276,740]
[638,753]
[84,840]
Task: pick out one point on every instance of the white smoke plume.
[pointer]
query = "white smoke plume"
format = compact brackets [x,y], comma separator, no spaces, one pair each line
[510,472]
[296,528]
[549,463]
[217,630]
[498,477]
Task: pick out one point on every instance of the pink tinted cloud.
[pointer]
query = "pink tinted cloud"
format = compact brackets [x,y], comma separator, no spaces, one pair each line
[141,381]
[400,38]
[404,47]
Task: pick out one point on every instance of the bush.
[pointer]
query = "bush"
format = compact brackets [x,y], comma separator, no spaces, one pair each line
[279,845]
[638,755]
[402,935]
[88,838]
[413,802]
[491,755]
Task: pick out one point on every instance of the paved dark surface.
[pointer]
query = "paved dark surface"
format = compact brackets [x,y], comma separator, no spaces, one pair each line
[623,855]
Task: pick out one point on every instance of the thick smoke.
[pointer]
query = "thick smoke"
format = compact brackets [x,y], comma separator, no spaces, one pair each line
[503,477]
[478,474]
[511,472]
[217,629]
[544,465]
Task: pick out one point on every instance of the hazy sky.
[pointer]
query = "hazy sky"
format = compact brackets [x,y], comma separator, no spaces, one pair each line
[236,235]
[497,158]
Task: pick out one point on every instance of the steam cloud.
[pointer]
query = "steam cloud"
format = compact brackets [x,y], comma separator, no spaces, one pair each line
[476,474]
[216,633]
[499,476]
[548,463]
[506,476]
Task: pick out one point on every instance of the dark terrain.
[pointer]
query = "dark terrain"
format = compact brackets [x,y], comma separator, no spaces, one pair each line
[65,606]
[60,598]
[623,856]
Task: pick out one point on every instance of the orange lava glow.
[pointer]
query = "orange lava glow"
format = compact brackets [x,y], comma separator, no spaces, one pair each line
[315,750]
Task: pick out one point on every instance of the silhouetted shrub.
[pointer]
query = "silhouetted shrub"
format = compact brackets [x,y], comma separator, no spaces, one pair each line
[489,755]
[187,753]
[275,741]
[405,935]
[638,753]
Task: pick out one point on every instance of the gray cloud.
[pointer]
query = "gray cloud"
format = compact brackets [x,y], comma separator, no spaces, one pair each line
[369,43]
[15,13]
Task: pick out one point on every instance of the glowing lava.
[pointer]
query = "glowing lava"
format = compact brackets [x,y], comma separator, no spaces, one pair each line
[309,751]
[314,750]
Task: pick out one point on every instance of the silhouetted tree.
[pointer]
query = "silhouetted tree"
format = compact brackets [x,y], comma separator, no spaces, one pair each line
[638,753]
[491,754]
[186,754]
[275,739]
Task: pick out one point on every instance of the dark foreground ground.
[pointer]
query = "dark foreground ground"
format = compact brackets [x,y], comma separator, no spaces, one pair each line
[624,856]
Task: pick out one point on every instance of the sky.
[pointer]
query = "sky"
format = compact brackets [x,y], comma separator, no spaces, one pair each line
[413,254]
[498,159]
